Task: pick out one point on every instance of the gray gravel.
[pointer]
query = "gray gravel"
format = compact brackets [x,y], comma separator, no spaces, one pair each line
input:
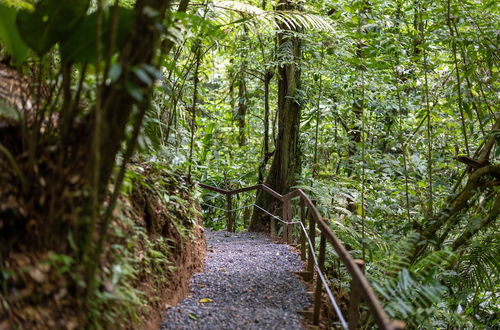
[250,284]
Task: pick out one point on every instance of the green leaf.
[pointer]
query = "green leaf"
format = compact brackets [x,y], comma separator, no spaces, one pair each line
[142,76]
[468,110]
[154,72]
[51,22]
[134,91]
[115,72]
[10,36]
[81,46]
[8,112]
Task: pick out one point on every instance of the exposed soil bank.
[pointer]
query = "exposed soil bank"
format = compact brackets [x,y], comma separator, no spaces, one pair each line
[188,261]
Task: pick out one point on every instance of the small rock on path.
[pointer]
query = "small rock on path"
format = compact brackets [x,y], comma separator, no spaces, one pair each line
[247,284]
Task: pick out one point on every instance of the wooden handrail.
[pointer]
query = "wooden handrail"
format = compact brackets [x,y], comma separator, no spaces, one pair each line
[371,299]
[237,191]
[219,190]
[272,192]
[358,278]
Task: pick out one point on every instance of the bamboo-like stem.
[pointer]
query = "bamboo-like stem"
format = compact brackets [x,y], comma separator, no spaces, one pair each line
[469,84]
[430,207]
[457,72]
[318,113]
[400,114]
[363,142]
[403,146]
[193,107]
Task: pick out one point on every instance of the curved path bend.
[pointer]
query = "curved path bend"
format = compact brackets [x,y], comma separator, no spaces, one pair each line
[248,283]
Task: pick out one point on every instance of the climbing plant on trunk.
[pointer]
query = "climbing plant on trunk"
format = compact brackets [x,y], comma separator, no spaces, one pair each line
[286,161]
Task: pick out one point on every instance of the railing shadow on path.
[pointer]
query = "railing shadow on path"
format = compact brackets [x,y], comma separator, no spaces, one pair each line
[310,221]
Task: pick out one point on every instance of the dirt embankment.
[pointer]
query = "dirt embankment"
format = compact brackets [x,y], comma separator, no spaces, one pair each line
[187,258]
[187,262]
[163,204]
[154,246]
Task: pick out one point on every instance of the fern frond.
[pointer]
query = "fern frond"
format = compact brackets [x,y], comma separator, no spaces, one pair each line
[268,20]
[240,7]
[477,267]
[410,291]
[399,259]
[436,259]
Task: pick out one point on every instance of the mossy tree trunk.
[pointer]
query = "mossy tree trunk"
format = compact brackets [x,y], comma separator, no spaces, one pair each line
[286,162]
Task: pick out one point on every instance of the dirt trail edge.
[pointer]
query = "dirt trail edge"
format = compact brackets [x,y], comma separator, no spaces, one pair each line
[248,283]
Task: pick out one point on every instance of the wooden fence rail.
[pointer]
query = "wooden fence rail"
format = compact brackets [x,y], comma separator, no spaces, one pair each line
[360,287]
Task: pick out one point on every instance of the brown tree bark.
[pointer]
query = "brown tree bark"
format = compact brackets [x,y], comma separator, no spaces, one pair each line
[490,219]
[242,109]
[447,219]
[286,162]
[266,154]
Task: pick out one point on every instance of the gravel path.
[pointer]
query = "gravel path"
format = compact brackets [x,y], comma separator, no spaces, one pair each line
[247,284]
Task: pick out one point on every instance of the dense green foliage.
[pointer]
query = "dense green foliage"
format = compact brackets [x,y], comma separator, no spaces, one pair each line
[390,97]
[398,139]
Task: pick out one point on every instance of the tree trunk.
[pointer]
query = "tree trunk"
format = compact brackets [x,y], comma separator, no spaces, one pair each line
[117,104]
[242,110]
[266,155]
[286,162]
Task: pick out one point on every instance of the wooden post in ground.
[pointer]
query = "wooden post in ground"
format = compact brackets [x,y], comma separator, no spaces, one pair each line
[272,227]
[312,237]
[355,298]
[317,294]
[229,213]
[287,217]
[302,234]
[284,218]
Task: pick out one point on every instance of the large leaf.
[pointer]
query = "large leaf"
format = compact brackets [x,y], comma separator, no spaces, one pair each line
[52,21]
[81,45]
[8,112]
[19,4]
[10,36]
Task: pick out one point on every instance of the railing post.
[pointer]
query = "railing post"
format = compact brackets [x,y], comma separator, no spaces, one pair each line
[229,213]
[287,217]
[317,294]
[273,227]
[290,226]
[355,299]
[302,234]
[312,237]
[284,217]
